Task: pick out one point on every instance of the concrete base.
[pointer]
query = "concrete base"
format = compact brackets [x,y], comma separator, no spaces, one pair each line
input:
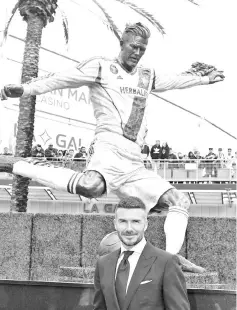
[86,275]
[28,295]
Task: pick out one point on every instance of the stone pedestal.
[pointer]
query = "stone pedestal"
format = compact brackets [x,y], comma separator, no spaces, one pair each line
[86,275]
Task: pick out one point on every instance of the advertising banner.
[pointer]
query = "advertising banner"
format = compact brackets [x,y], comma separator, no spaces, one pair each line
[64,118]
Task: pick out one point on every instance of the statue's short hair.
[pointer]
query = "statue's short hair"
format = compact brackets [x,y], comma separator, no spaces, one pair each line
[138,29]
[131,203]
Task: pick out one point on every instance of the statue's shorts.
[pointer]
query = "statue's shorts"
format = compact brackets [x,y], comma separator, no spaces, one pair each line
[120,162]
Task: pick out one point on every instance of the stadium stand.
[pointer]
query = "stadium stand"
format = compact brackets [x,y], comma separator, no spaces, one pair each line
[208,198]
[210,191]
[36,193]
[197,196]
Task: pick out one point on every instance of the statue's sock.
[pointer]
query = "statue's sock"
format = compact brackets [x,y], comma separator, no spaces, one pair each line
[175,228]
[55,177]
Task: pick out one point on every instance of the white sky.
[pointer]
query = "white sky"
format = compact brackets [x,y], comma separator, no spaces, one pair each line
[203,33]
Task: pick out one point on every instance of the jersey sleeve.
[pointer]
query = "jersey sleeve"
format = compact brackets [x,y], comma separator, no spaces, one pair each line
[84,74]
[162,83]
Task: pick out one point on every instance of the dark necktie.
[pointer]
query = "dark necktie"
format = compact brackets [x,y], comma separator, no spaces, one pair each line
[122,278]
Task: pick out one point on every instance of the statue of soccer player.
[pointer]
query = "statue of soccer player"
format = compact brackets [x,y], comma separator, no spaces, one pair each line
[119,89]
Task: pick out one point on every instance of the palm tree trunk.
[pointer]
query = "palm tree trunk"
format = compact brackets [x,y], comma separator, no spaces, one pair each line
[26,116]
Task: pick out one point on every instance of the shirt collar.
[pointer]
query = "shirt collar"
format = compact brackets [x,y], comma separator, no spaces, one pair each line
[138,248]
[118,60]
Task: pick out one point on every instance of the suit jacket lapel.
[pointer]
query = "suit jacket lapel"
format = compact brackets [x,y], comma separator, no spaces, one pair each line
[110,268]
[144,264]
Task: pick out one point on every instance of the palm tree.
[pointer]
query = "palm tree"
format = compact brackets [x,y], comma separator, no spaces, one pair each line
[37,14]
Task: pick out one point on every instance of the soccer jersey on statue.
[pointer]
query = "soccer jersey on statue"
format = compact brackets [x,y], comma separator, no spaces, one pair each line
[119,97]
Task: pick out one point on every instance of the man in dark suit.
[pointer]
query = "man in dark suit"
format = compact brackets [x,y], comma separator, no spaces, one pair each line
[138,275]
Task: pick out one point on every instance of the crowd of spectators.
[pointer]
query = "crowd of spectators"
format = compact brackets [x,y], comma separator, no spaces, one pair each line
[53,154]
[6,151]
[159,154]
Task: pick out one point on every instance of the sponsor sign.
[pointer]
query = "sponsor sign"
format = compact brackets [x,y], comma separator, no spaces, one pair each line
[98,207]
[63,117]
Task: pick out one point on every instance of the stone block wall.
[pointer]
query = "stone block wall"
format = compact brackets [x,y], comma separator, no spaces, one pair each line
[211,242]
[95,227]
[34,247]
[15,245]
[56,241]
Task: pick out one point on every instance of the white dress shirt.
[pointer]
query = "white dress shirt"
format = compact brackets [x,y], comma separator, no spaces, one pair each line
[133,259]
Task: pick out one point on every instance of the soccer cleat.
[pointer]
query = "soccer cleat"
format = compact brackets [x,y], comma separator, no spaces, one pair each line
[7,162]
[186,265]
[37,161]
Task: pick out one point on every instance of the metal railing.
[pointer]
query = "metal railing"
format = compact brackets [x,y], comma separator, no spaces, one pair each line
[202,170]
[77,164]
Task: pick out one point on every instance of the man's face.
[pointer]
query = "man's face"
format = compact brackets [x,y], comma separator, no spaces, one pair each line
[157,142]
[132,49]
[130,225]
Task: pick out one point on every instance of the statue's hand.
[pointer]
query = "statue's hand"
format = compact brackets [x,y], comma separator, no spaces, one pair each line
[3,96]
[12,91]
[216,76]
[202,69]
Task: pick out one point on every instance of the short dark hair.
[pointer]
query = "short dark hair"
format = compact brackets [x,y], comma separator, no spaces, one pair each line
[138,29]
[130,203]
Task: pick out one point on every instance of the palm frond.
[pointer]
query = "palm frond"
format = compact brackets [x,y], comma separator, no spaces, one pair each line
[65,24]
[145,14]
[193,2]
[5,31]
[111,25]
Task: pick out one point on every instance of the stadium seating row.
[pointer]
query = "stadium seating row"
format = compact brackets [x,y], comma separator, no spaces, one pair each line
[201,197]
